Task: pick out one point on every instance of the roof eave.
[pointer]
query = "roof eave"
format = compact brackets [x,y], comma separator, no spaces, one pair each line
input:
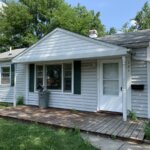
[5,59]
[103,54]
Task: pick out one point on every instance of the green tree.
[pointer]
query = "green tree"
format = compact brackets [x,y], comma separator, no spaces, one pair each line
[15,26]
[143,17]
[24,22]
[112,30]
[42,12]
[128,28]
[142,20]
[78,19]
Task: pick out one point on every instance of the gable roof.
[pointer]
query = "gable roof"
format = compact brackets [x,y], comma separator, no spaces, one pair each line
[129,40]
[6,56]
[61,44]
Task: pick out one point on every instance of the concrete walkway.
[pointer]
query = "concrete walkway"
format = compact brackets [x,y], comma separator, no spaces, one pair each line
[104,143]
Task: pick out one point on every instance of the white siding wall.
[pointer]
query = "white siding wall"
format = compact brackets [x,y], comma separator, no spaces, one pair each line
[6,91]
[20,80]
[63,45]
[139,99]
[86,101]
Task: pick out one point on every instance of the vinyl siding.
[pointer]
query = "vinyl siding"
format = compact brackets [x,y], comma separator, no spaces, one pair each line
[139,99]
[20,80]
[87,101]
[6,94]
[6,91]
[63,45]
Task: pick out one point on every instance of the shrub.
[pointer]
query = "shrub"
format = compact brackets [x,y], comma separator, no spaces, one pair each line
[147,130]
[132,115]
[20,100]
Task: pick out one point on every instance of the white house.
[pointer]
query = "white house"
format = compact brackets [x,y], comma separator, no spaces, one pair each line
[100,74]
[7,73]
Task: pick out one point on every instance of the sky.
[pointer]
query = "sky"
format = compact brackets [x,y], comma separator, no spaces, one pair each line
[114,13]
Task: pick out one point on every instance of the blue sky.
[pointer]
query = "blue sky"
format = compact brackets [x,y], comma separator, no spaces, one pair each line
[113,12]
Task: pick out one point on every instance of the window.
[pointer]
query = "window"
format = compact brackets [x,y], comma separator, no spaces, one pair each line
[39,77]
[53,76]
[67,74]
[111,79]
[5,75]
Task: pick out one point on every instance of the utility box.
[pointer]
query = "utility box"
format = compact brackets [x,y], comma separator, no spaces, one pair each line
[43,99]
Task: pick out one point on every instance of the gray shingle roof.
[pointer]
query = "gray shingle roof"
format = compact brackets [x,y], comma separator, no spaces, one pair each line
[129,40]
[7,56]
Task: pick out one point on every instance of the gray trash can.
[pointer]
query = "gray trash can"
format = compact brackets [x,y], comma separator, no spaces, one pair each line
[43,99]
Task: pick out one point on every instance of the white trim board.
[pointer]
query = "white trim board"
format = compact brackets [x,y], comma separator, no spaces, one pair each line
[27,84]
[99,78]
[128,70]
[148,80]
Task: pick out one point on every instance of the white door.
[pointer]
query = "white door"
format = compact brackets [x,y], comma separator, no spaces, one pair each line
[111,90]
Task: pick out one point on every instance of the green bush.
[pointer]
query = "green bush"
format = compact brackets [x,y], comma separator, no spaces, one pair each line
[132,115]
[20,100]
[147,130]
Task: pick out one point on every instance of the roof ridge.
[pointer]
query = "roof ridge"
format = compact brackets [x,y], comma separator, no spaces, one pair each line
[126,33]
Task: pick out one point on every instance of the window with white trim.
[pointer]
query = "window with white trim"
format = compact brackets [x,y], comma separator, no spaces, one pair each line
[5,75]
[54,77]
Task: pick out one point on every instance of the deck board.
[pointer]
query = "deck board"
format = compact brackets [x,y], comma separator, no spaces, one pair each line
[115,127]
[111,126]
[99,123]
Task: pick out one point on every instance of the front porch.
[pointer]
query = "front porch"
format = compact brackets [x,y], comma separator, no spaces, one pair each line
[97,123]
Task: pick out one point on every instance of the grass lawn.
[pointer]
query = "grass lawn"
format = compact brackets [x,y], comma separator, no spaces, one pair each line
[22,136]
[4,105]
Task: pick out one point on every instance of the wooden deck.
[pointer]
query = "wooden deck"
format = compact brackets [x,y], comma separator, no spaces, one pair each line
[99,123]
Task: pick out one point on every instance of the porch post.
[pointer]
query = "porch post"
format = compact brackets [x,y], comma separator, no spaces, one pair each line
[27,83]
[14,102]
[124,88]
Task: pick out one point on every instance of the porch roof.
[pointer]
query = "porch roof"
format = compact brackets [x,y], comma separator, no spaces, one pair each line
[61,45]
[7,56]
[129,40]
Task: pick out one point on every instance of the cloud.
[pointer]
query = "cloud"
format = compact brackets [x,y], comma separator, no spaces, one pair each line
[133,23]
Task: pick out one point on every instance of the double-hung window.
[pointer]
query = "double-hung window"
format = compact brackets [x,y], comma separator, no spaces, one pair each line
[5,75]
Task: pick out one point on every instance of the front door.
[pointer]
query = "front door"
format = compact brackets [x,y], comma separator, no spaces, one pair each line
[111,90]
